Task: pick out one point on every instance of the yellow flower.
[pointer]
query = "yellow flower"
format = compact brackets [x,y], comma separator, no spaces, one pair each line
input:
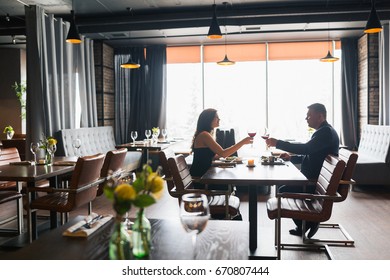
[51,141]
[125,192]
[155,182]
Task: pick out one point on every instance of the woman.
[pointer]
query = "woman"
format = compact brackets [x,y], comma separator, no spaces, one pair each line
[204,146]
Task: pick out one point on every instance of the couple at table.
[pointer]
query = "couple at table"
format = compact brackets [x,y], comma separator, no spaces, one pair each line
[310,155]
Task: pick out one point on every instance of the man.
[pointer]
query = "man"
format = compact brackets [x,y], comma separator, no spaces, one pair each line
[310,155]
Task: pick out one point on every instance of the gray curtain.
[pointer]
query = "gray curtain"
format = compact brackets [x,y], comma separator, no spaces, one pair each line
[349,92]
[86,74]
[384,76]
[52,66]
[140,94]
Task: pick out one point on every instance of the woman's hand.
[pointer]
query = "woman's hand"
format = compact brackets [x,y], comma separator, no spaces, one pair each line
[247,140]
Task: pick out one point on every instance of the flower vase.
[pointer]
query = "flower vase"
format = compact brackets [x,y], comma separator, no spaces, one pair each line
[120,245]
[141,235]
[48,158]
[154,139]
[10,134]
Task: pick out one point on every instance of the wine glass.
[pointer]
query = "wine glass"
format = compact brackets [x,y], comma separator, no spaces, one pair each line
[148,133]
[251,133]
[164,133]
[34,148]
[76,143]
[265,136]
[194,214]
[134,135]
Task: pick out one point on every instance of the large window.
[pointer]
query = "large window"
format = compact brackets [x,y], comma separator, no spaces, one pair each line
[270,85]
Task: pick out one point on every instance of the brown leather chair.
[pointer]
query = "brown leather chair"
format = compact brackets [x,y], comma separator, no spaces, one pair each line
[82,189]
[112,166]
[18,143]
[222,204]
[8,155]
[164,155]
[7,196]
[8,190]
[315,207]
[346,181]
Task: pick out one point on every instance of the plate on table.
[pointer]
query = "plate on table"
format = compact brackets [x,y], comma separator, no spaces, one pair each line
[278,161]
[251,165]
[231,159]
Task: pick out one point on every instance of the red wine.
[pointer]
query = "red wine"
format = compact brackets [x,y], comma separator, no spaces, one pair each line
[252,134]
[265,137]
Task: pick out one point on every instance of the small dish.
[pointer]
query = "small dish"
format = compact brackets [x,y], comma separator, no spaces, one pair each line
[250,166]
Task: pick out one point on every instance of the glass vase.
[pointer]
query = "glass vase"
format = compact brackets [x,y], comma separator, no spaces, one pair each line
[48,158]
[120,242]
[141,235]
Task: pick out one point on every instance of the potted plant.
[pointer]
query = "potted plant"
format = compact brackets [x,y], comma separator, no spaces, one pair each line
[9,131]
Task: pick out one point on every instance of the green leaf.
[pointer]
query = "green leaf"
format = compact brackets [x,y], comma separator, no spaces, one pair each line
[144,200]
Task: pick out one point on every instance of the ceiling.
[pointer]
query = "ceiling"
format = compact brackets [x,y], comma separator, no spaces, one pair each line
[184,22]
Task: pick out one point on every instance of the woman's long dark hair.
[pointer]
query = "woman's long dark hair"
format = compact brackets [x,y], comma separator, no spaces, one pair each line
[204,123]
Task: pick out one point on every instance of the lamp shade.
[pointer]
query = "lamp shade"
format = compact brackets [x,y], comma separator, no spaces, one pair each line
[373,24]
[214,31]
[73,34]
[226,61]
[130,64]
[329,58]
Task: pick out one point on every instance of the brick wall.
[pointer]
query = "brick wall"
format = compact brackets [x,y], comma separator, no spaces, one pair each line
[105,83]
[368,83]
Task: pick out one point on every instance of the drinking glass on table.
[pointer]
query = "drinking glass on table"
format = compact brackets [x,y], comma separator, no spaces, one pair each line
[134,135]
[148,133]
[164,133]
[194,214]
[252,133]
[265,136]
[34,148]
[76,143]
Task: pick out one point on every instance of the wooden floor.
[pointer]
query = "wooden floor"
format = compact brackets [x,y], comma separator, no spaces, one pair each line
[364,215]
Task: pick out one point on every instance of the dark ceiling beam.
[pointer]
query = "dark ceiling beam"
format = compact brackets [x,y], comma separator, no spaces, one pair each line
[236,15]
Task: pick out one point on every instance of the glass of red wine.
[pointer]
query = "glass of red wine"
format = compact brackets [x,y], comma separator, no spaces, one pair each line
[265,136]
[252,133]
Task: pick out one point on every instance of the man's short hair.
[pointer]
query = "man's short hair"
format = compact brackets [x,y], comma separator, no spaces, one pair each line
[318,108]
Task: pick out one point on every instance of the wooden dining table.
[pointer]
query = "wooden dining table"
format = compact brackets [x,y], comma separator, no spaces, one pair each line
[251,177]
[220,240]
[32,175]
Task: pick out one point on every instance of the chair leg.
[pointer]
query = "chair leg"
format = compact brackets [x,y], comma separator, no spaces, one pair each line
[347,242]
[279,239]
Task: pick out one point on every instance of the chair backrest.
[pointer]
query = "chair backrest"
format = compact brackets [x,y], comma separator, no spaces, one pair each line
[180,173]
[9,155]
[226,138]
[164,155]
[350,158]
[328,182]
[113,163]
[375,143]
[19,144]
[86,171]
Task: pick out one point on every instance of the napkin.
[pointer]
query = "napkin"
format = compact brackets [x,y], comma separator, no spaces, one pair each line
[78,229]
[25,162]
[64,162]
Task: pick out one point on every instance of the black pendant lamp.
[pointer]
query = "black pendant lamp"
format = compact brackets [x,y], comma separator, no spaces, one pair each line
[130,64]
[373,24]
[329,57]
[226,61]
[214,31]
[73,33]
